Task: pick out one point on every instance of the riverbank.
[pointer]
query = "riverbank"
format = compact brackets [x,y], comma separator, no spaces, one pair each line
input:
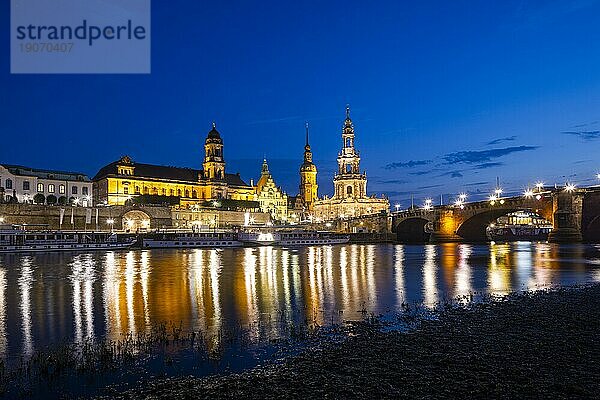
[542,344]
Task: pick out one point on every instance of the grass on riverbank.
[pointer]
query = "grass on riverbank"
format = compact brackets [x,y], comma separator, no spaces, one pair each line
[543,345]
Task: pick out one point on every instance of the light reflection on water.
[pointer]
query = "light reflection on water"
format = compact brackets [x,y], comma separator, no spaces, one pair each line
[45,298]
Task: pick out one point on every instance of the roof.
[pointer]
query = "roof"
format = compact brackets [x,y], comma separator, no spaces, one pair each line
[21,170]
[164,172]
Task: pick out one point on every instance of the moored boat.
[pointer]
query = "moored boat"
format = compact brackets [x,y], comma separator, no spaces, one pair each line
[519,226]
[16,239]
[191,240]
[290,238]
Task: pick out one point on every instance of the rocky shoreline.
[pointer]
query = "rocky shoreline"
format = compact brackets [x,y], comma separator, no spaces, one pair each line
[543,344]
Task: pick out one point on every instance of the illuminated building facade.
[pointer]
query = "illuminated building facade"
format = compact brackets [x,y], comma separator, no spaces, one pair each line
[31,185]
[120,181]
[350,197]
[272,199]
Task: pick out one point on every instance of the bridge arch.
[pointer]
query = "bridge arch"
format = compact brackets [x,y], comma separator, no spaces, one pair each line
[412,230]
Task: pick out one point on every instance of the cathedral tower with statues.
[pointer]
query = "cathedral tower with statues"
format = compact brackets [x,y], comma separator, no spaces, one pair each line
[350,197]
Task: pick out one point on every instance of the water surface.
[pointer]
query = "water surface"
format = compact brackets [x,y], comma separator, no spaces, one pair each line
[49,297]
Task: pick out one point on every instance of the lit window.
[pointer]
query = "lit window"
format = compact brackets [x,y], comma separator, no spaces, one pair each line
[61,189]
[51,188]
[126,190]
[40,187]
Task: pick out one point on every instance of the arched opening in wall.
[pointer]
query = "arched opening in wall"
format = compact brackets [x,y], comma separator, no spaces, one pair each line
[136,221]
[505,225]
[349,190]
[591,233]
[412,230]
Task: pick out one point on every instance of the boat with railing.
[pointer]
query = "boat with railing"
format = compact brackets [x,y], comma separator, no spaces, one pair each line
[290,238]
[519,226]
[191,239]
[21,238]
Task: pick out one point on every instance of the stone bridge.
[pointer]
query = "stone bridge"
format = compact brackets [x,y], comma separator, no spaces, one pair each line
[575,216]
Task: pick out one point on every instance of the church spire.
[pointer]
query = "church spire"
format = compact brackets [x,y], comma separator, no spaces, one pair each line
[307,134]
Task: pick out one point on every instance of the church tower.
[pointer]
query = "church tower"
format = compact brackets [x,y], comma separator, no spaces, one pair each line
[308,177]
[349,182]
[214,163]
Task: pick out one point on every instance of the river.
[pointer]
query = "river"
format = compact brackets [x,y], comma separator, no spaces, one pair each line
[50,297]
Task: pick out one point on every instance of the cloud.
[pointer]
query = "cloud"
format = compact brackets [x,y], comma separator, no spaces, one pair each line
[476,183]
[408,164]
[426,172]
[584,135]
[488,165]
[430,186]
[394,181]
[500,140]
[482,156]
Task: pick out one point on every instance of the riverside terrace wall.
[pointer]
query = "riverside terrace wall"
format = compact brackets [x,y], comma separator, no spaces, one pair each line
[160,217]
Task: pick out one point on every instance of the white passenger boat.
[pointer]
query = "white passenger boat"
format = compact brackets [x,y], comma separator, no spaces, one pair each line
[16,239]
[191,240]
[290,238]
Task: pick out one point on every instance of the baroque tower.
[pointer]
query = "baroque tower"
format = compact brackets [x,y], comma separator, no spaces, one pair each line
[214,163]
[308,177]
[349,182]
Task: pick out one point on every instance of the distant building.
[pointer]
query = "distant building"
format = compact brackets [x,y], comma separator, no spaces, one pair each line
[272,199]
[122,180]
[31,185]
[350,197]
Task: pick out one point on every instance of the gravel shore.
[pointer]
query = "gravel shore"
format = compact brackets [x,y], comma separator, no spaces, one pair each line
[533,345]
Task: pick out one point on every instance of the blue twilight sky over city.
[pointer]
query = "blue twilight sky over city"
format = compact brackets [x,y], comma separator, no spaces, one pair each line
[445,96]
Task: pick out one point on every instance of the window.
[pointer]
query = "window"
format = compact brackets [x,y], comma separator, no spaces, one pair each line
[9,184]
[74,190]
[164,192]
[25,185]
[172,192]
[194,194]
[40,187]
[137,190]
[179,192]
[126,190]
[349,190]
[146,191]
[61,189]
[84,191]
[51,188]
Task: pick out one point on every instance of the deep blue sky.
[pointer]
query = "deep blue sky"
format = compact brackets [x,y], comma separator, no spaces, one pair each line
[445,96]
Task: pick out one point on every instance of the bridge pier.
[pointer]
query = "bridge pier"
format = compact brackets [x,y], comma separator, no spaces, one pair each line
[567,207]
[441,237]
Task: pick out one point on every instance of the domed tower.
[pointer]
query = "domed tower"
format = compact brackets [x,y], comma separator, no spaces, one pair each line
[214,163]
[308,177]
[349,182]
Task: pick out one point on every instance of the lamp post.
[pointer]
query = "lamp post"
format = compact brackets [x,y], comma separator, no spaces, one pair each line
[110,222]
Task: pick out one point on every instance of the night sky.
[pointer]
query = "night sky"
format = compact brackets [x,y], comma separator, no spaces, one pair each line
[445,96]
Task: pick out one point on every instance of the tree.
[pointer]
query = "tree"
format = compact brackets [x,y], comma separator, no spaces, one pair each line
[62,200]
[51,199]
[39,198]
